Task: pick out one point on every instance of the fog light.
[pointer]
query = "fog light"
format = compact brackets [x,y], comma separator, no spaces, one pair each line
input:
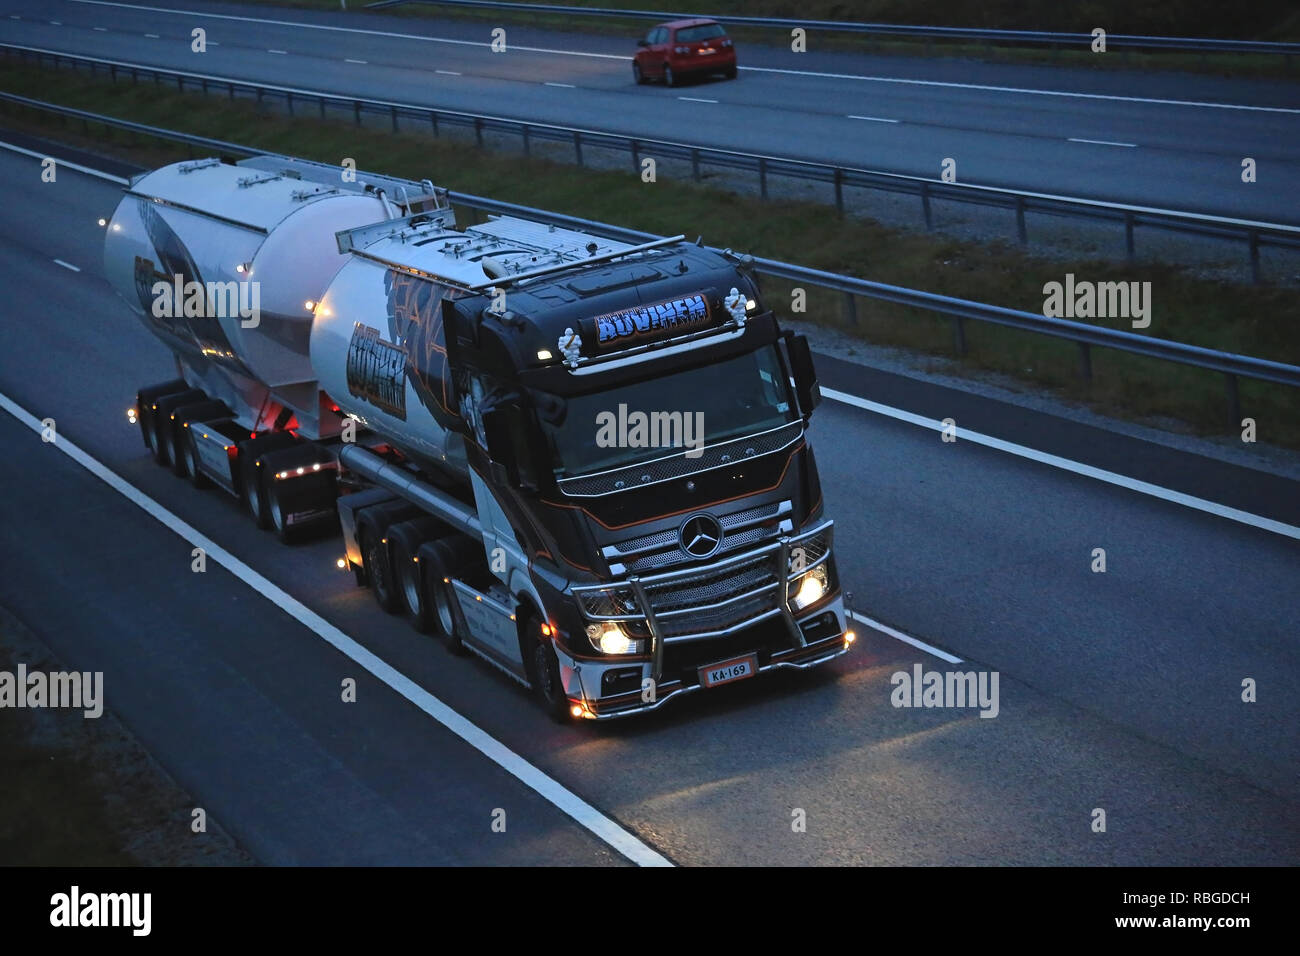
[849,638]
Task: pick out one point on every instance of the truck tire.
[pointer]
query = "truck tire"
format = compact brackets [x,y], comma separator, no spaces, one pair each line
[252,477]
[182,460]
[315,490]
[144,399]
[379,569]
[448,557]
[544,671]
[191,452]
[405,544]
[163,431]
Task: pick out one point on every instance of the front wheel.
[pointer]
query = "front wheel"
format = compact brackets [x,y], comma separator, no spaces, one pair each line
[544,670]
[636,73]
[731,73]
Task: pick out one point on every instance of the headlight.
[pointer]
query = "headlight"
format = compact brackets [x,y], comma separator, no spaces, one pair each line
[810,588]
[609,638]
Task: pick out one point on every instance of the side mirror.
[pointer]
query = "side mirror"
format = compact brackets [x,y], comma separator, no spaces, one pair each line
[807,390]
[642,42]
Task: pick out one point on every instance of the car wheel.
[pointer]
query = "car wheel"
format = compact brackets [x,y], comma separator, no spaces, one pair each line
[731,72]
[669,79]
[636,73]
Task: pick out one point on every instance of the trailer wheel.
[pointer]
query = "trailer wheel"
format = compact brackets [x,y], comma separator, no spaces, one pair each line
[275,508]
[197,478]
[254,489]
[544,672]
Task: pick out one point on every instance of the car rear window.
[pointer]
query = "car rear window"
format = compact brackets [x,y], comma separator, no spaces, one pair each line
[706,31]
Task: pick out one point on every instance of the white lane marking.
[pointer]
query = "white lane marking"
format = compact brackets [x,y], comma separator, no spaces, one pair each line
[362,62]
[566,86]
[447,72]
[100,29]
[1065,464]
[66,265]
[696,99]
[55,23]
[905,638]
[213,43]
[64,164]
[280,52]
[755,69]
[1102,142]
[1003,89]
[549,789]
[14,16]
[873,119]
[153,36]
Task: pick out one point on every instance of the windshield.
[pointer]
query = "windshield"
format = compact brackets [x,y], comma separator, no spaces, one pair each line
[705,32]
[662,416]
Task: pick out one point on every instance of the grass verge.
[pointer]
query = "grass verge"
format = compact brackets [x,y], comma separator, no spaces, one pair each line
[1263,321]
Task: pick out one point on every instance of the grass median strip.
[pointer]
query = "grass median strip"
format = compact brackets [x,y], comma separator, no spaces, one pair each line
[1262,321]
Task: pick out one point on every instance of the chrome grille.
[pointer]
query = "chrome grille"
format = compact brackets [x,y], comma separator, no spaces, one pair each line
[662,549]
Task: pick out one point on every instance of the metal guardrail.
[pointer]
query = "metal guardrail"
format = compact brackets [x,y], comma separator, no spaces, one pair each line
[1233,366]
[1255,234]
[1081,40]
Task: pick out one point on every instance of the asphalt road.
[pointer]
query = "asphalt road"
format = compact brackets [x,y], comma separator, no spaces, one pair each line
[1118,691]
[1167,140]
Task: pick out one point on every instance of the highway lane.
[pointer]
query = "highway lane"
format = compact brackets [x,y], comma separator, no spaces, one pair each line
[1147,139]
[1118,691]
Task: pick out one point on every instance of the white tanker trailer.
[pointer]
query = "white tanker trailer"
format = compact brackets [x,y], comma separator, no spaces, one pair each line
[582,460]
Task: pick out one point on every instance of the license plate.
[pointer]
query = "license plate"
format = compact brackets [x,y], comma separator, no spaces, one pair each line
[738,668]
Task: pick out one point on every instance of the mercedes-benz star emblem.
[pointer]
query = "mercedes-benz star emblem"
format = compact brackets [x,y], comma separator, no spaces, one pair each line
[700,535]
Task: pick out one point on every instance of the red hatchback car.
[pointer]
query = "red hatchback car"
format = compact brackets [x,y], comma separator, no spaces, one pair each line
[672,51]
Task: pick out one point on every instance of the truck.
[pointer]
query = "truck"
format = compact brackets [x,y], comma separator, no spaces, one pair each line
[582,460]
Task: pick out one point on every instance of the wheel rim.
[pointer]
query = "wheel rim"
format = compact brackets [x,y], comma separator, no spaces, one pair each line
[375,566]
[442,605]
[255,498]
[151,436]
[668,75]
[411,586]
[277,512]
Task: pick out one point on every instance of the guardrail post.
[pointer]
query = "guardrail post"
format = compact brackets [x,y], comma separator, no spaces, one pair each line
[180,83]
[636,155]
[695,164]
[1129,251]
[259,96]
[231,87]
[322,107]
[288,100]
[959,334]
[112,72]
[135,77]
[356,110]
[839,190]
[762,177]
[577,146]
[1234,400]
[1085,361]
[393,113]
[851,310]
[925,206]
[528,145]
[433,119]
[1021,233]
[1254,256]
[478,130]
